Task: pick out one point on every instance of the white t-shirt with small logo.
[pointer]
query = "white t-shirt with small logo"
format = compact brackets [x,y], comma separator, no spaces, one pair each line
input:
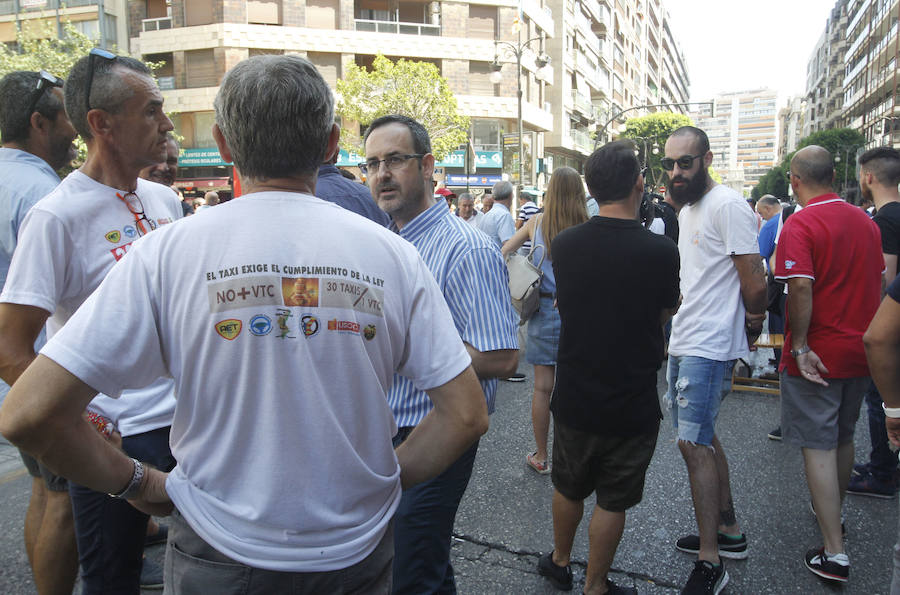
[68,243]
[711,320]
[282,331]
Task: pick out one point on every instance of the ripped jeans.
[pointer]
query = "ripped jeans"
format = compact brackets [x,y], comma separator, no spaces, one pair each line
[696,388]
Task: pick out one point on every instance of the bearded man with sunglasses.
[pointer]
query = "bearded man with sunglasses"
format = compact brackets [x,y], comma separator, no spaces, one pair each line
[67,245]
[36,141]
[723,287]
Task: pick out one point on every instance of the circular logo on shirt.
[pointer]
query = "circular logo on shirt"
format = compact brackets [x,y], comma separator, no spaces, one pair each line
[260,325]
[129,231]
[309,324]
[113,236]
[369,332]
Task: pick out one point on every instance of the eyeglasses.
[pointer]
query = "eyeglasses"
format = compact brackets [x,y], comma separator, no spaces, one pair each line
[392,163]
[46,80]
[92,58]
[684,162]
[136,207]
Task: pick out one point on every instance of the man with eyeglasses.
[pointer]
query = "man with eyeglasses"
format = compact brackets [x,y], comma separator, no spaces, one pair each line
[67,245]
[723,288]
[471,273]
[36,141]
[286,481]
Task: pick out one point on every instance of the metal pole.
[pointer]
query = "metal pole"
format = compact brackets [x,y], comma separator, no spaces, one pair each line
[519,52]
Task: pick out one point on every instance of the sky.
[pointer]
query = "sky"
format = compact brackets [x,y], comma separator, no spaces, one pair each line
[736,46]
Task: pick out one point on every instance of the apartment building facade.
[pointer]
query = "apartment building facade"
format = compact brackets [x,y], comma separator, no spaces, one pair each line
[791,124]
[870,92]
[199,40]
[104,20]
[825,74]
[743,135]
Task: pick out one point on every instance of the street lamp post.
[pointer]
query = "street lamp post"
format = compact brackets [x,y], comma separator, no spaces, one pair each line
[711,104]
[541,60]
[845,150]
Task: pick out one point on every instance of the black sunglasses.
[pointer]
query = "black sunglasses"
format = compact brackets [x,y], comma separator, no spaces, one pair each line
[45,81]
[92,58]
[684,162]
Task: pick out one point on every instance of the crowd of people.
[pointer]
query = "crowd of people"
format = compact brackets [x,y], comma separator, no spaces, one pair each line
[335,372]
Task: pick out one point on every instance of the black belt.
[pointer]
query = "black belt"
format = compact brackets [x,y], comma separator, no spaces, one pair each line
[546,294]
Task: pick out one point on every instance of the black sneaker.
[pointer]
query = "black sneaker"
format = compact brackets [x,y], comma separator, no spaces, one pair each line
[559,576]
[706,578]
[835,568]
[614,589]
[775,434]
[729,547]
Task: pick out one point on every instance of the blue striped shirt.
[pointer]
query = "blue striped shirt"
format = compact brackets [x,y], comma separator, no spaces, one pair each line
[472,276]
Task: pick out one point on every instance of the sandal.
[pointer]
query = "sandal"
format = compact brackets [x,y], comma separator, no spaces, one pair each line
[539,467]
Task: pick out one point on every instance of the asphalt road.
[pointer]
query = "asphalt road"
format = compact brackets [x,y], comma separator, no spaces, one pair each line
[504,522]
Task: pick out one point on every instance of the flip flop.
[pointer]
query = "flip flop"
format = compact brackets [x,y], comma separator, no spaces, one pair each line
[541,468]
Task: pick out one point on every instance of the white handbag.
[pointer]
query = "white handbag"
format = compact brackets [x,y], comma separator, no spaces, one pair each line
[525,283]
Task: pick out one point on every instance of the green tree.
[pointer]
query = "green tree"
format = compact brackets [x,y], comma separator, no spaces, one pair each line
[650,132]
[843,144]
[41,49]
[414,89]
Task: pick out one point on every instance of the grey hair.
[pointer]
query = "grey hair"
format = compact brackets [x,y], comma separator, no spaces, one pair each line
[502,190]
[465,196]
[276,114]
[16,91]
[769,201]
[109,90]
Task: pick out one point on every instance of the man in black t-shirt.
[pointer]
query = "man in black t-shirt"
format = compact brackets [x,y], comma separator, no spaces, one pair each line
[878,178]
[617,284]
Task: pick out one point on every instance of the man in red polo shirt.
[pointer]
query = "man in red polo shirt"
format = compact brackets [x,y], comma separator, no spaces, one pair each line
[830,256]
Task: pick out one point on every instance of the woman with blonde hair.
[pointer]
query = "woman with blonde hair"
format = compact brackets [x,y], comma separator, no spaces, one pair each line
[564,206]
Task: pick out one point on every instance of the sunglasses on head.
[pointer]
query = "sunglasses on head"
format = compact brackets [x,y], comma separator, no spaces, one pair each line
[684,162]
[46,81]
[96,53]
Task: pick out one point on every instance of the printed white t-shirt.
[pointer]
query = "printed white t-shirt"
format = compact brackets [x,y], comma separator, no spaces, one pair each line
[712,317]
[282,330]
[68,243]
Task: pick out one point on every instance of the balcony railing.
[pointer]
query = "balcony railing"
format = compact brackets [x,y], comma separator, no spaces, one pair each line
[397,27]
[583,104]
[582,140]
[157,24]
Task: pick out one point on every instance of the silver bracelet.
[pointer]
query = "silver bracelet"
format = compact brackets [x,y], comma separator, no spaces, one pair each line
[134,486]
[893,412]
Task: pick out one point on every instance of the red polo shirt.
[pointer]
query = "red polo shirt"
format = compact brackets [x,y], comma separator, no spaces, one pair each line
[838,246]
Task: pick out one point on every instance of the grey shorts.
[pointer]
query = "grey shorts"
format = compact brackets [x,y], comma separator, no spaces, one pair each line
[820,417]
[613,467]
[195,567]
[54,483]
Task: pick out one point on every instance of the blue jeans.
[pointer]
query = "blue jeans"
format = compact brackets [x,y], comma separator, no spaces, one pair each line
[696,388]
[423,525]
[882,462]
[109,531]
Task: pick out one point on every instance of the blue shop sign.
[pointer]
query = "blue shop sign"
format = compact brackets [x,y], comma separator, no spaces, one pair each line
[201,158]
[483,159]
[473,180]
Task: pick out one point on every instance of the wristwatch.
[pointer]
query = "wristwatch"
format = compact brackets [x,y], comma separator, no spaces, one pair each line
[134,486]
[798,352]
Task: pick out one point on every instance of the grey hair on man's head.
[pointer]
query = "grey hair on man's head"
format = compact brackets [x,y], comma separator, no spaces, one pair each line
[502,190]
[276,114]
[769,201]
[16,90]
[109,90]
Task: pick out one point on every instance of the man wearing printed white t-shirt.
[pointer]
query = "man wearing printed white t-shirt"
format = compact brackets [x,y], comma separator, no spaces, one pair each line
[68,243]
[282,342]
[723,289]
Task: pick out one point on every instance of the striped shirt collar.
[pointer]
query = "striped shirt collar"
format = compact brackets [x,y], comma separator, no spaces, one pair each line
[424,221]
[824,199]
